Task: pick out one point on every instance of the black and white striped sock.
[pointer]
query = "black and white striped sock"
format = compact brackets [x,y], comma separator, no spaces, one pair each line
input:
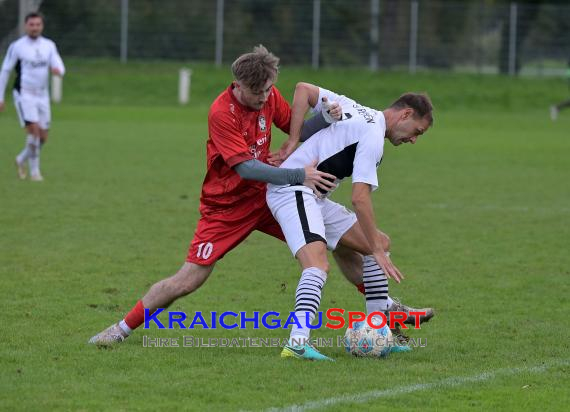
[375,286]
[307,301]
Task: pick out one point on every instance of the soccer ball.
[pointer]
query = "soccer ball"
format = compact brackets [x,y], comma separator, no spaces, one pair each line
[363,340]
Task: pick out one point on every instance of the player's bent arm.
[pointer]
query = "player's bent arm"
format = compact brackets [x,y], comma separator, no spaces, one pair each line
[309,176]
[306,96]
[256,170]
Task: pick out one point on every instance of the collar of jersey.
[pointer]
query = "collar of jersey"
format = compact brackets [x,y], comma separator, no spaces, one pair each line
[33,40]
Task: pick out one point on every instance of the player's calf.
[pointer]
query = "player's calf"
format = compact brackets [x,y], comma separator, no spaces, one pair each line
[189,278]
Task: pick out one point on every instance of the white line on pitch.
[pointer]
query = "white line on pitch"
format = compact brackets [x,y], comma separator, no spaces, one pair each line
[445,383]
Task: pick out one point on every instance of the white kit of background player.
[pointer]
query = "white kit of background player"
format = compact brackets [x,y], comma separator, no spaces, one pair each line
[33,57]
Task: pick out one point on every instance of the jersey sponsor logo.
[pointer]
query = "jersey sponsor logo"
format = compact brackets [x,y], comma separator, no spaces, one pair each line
[361,110]
[254,152]
[35,65]
[253,149]
[262,141]
[262,124]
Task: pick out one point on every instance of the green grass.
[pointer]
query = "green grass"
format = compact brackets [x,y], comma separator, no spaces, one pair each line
[477,211]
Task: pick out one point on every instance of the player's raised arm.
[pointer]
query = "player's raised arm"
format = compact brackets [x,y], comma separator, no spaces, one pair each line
[306,96]
[362,203]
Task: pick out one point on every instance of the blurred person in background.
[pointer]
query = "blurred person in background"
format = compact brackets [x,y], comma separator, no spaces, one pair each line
[555,109]
[33,57]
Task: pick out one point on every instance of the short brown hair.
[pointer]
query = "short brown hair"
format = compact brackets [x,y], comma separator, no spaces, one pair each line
[420,102]
[255,68]
[33,15]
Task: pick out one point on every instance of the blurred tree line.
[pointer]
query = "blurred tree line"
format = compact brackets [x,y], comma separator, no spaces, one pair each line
[475,32]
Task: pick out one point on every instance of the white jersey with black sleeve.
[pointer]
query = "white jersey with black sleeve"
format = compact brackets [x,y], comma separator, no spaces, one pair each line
[32,60]
[353,146]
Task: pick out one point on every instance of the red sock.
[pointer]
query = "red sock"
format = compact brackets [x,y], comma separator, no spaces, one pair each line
[135,317]
[360,288]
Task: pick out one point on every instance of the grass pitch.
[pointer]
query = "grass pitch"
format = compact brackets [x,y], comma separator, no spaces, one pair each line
[478,213]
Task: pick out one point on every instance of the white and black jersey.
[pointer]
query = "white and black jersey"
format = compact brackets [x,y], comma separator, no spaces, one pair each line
[352,146]
[32,60]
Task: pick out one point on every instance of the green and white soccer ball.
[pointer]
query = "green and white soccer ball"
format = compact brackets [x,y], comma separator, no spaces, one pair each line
[364,341]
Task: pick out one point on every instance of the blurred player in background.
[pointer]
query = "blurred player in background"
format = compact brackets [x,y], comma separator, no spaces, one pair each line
[232,202]
[33,56]
[555,109]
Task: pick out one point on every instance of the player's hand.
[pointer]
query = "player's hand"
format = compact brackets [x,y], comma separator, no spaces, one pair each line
[278,157]
[55,72]
[390,270]
[316,180]
[332,112]
[1,106]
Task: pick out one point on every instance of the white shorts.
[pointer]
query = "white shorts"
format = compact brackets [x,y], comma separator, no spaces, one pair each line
[304,218]
[33,107]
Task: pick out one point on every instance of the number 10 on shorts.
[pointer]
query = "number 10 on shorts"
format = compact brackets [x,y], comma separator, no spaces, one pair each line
[205,250]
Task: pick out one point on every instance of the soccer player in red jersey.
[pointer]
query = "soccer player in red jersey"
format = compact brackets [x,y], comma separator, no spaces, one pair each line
[232,202]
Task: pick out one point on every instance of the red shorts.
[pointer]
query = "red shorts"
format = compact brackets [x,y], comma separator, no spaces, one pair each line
[218,233]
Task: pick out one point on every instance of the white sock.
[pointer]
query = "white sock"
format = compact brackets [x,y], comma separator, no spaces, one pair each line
[34,156]
[307,301]
[24,154]
[124,327]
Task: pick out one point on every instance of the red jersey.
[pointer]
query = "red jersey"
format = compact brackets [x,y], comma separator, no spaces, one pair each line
[236,134]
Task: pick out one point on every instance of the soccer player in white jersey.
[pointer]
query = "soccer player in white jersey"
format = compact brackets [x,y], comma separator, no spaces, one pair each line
[312,223]
[33,56]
